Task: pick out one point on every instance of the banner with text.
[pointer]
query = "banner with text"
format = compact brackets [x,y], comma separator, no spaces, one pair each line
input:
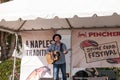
[34,65]
[96,48]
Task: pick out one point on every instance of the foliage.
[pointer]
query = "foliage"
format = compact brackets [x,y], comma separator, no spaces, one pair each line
[7,43]
[3,1]
[19,43]
[6,68]
[115,70]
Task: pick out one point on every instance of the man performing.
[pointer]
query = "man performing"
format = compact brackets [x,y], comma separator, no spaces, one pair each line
[60,63]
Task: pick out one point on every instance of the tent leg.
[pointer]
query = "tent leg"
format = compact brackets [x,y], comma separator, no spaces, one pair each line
[71,57]
[14,65]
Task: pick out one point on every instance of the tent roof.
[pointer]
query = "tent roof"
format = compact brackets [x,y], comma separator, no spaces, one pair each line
[46,14]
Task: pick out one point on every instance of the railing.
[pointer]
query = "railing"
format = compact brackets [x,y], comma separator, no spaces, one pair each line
[16,76]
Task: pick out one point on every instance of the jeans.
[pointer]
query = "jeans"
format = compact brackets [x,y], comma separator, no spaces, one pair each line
[56,68]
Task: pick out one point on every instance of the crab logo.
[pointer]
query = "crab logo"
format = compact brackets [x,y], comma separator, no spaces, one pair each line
[39,73]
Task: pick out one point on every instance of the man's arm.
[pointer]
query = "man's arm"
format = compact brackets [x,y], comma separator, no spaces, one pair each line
[65,51]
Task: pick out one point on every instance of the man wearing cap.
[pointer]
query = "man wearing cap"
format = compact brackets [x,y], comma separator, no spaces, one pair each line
[61,62]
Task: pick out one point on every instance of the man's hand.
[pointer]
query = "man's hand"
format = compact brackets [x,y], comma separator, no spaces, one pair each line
[65,52]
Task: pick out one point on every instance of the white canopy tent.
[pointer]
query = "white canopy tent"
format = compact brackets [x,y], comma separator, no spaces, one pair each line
[27,15]
[21,15]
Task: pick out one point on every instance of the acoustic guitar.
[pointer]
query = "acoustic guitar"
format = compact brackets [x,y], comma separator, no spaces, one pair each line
[51,57]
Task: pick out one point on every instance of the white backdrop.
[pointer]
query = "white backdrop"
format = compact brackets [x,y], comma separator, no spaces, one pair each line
[34,64]
[31,61]
[93,48]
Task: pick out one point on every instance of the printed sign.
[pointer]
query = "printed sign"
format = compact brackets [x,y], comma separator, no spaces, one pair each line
[101,52]
[95,48]
[34,65]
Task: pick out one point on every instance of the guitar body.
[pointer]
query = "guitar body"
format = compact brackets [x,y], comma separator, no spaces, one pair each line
[52,57]
[49,58]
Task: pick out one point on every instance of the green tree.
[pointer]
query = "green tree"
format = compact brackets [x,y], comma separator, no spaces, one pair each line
[7,43]
[2,1]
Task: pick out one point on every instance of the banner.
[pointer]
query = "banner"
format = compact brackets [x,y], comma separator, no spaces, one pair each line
[34,65]
[95,48]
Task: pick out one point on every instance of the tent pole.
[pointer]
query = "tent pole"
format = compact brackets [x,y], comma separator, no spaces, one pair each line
[71,47]
[14,65]
[71,56]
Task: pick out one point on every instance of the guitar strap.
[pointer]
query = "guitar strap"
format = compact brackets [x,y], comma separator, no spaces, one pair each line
[61,49]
